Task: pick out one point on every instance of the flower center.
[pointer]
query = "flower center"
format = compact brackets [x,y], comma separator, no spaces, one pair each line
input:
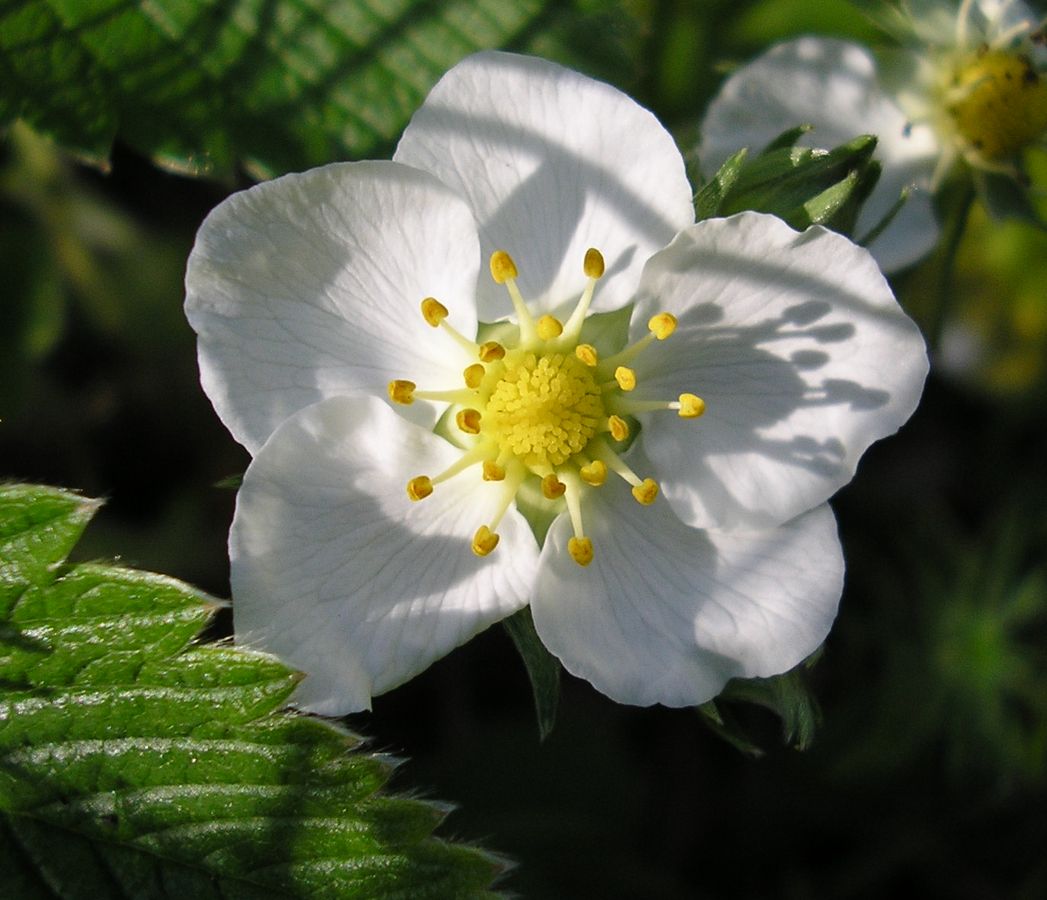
[547,409]
[998,103]
[544,408]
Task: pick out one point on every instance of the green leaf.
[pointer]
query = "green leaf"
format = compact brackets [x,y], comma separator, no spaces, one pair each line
[278,85]
[543,668]
[135,762]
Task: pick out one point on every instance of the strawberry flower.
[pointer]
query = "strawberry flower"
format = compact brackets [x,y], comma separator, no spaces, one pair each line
[966,83]
[508,368]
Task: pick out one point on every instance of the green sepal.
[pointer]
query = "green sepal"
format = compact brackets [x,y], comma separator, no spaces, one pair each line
[787,696]
[608,332]
[709,199]
[880,227]
[787,139]
[807,187]
[543,669]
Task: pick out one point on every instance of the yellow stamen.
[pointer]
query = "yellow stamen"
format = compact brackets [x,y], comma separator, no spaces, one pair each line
[503,268]
[401,391]
[468,420]
[490,351]
[456,395]
[587,354]
[594,473]
[433,311]
[646,491]
[503,271]
[627,354]
[549,327]
[691,406]
[420,487]
[493,471]
[618,427]
[581,550]
[474,375]
[662,325]
[614,462]
[625,377]
[484,541]
[467,459]
[552,487]
[539,409]
[593,266]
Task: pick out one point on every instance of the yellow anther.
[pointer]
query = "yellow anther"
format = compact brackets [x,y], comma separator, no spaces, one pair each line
[662,325]
[595,473]
[549,327]
[491,351]
[587,354]
[401,391]
[473,375]
[484,541]
[493,471]
[581,550]
[503,268]
[468,420]
[619,428]
[593,265]
[552,487]
[433,311]
[691,406]
[420,487]
[646,491]
[625,377]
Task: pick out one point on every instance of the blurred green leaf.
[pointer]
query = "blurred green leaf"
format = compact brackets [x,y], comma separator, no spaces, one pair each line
[768,21]
[543,669]
[137,763]
[1006,198]
[277,85]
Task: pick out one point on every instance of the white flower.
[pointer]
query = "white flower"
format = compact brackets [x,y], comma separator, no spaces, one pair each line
[966,85]
[337,311]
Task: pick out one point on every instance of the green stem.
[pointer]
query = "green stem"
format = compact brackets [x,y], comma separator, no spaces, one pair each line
[955,226]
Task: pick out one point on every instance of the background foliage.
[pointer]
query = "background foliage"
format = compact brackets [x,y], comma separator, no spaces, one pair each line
[929,771]
[137,762]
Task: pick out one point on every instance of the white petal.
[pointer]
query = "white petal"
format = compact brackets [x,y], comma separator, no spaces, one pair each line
[799,349]
[832,85]
[309,286]
[667,614]
[337,572]
[552,163]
